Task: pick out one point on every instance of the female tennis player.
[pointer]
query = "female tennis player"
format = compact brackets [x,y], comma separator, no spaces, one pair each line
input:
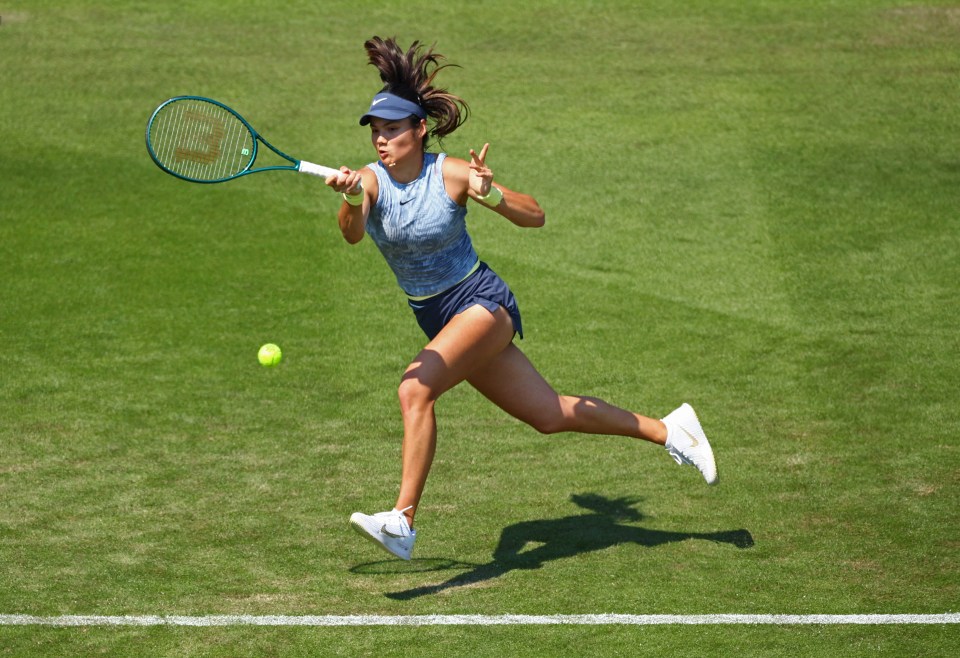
[413,205]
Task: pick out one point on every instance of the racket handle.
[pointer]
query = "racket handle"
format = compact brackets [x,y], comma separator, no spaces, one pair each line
[317,170]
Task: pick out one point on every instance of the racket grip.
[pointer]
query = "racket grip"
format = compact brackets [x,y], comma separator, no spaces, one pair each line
[317,170]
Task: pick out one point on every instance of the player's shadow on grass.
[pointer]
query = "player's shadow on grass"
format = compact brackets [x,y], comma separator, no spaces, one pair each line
[553,539]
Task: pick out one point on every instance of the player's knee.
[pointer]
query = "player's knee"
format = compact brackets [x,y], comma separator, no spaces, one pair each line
[413,395]
[548,423]
[553,417]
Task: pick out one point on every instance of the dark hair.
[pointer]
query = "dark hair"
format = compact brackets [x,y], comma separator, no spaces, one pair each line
[410,75]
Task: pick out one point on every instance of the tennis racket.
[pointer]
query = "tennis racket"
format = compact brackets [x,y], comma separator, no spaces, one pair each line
[204,141]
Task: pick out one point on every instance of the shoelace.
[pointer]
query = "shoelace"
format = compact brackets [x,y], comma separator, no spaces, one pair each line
[401,521]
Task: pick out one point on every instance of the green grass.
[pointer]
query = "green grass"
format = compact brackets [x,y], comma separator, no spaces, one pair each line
[751,206]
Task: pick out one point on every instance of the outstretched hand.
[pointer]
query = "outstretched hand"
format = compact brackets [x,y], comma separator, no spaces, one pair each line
[481,177]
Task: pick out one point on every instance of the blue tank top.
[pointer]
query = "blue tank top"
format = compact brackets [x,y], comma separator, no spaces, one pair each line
[420,230]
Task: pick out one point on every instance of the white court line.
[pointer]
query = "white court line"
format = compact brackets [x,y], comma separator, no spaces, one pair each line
[472,620]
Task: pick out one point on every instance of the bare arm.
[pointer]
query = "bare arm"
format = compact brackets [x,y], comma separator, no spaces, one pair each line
[475,180]
[360,185]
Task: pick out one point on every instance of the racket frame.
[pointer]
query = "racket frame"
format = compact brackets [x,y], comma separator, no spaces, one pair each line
[298,165]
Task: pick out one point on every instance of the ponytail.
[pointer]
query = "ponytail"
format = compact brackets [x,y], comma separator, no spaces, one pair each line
[410,76]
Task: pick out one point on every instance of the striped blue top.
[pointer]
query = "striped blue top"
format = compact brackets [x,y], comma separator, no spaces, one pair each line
[420,230]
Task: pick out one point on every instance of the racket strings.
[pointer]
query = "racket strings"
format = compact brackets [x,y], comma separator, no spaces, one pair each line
[201,140]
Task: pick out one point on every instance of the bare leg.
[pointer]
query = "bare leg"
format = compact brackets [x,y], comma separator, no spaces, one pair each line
[512,383]
[467,343]
[476,346]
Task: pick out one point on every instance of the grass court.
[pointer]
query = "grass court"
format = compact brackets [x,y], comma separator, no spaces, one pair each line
[751,206]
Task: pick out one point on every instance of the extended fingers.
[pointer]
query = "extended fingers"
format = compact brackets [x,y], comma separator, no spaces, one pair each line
[479,159]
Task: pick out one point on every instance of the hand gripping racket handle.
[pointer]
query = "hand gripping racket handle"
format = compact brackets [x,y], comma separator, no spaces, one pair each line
[317,170]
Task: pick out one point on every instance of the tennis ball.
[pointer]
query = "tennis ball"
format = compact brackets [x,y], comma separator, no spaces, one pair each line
[269,355]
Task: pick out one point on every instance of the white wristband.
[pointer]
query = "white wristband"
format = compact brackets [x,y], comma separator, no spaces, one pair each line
[354,199]
[493,197]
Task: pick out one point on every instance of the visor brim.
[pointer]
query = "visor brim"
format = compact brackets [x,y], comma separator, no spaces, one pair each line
[388,115]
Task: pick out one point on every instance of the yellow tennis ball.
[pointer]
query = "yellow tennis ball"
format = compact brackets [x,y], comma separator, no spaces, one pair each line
[269,355]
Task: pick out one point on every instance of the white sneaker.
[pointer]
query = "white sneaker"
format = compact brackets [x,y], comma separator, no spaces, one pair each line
[687,443]
[389,530]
